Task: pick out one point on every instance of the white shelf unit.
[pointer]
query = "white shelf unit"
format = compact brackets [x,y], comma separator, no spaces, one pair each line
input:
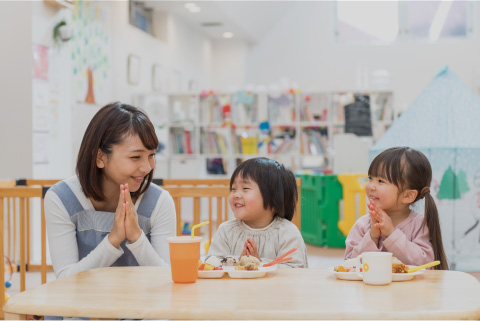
[206,136]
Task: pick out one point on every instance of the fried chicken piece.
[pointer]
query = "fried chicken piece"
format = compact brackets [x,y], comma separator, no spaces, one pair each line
[399,268]
[251,267]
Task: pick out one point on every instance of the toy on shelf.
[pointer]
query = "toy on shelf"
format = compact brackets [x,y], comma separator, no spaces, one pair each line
[186,228]
[227,116]
[265,136]
[8,279]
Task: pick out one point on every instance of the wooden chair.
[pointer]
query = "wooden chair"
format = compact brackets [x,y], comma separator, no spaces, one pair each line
[222,182]
[191,182]
[220,194]
[8,183]
[22,196]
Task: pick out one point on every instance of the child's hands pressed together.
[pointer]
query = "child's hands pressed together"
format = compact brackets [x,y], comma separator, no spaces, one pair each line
[383,221]
[374,230]
[132,230]
[250,248]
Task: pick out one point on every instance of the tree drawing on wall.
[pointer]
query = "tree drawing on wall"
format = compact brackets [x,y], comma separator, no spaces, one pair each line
[90,51]
[453,186]
[461,183]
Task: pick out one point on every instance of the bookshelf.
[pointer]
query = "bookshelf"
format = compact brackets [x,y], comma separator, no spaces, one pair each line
[206,135]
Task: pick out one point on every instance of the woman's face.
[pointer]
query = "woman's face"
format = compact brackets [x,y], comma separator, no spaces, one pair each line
[130,162]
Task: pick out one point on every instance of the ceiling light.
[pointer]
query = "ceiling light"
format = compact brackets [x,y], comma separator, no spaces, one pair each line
[228,35]
[190,5]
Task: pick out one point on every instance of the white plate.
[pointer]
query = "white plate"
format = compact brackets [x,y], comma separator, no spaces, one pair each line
[406,276]
[243,274]
[351,276]
[396,277]
[213,274]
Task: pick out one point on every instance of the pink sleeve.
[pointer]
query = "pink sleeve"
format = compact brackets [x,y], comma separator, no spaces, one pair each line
[359,240]
[416,252]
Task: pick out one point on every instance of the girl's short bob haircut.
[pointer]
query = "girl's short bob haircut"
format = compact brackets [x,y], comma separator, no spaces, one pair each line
[110,126]
[277,184]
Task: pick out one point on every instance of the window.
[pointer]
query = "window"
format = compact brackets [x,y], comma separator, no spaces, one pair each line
[390,21]
[140,16]
[368,21]
[434,20]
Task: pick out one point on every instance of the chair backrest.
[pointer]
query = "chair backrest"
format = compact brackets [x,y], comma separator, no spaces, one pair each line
[191,182]
[7,183]
[9,198]
[220,194]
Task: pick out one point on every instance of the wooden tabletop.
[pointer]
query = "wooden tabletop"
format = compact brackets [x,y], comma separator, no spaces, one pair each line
[149,293]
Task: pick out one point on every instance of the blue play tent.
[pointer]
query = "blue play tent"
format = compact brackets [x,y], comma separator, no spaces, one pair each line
[444,123]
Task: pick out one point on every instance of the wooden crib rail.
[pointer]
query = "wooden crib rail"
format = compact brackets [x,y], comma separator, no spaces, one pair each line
[21,195]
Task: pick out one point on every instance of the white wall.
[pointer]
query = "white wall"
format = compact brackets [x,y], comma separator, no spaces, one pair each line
[230,65]
[187,52]
[16,89]
[51,99]
[302,47]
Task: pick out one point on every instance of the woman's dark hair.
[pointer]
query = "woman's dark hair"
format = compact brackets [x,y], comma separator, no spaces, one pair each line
[110,126]
[277,184]
[408,168]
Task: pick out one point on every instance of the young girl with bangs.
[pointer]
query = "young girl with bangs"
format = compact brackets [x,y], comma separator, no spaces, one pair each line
[263,197]
[397,178]
[110,213]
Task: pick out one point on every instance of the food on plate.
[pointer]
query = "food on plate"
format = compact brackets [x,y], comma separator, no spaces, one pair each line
[213,260]
[398,266]
[212,263]
[251,267]
[354,265]
[350,265]
[239,268]
[250,260]
[206,267]
[230,261]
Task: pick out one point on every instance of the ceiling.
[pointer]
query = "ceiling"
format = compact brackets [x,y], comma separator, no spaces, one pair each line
[248,20]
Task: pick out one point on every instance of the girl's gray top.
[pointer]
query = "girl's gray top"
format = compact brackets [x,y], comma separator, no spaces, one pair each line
[78,234]
[276,239]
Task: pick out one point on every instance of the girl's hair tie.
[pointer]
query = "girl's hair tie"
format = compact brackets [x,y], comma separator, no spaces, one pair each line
[424,191]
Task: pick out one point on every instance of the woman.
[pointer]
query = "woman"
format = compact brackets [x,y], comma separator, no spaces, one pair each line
[110,213]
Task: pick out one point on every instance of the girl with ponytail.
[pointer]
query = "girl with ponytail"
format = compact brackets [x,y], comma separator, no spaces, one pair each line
[397,178]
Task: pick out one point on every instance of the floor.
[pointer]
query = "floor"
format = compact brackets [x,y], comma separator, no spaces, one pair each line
[318,257]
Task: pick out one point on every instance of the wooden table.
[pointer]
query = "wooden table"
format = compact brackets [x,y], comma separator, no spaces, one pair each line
[149,293]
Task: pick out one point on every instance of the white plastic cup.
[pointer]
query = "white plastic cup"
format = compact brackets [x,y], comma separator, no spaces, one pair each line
[377,268]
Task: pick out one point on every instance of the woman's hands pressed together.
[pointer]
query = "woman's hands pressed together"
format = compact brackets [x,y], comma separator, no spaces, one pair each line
[132,230]
[125,224]
[381,223]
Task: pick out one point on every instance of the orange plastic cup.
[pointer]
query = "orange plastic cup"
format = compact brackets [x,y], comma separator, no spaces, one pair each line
[184,256]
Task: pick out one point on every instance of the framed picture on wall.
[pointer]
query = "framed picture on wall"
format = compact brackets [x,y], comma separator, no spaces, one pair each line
[133,71]
[157,74]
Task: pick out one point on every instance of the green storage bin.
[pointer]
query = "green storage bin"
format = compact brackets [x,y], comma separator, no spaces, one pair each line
[311,223]
[321,195]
